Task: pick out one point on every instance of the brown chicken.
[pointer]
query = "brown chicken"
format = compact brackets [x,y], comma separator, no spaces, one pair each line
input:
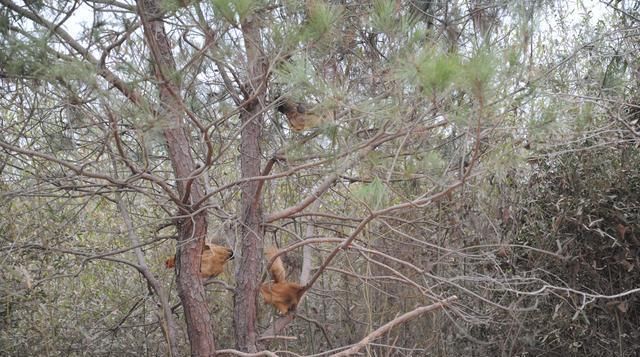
[283,295]
[298,116]
[213,259]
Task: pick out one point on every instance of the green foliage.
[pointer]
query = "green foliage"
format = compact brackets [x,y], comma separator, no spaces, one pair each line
[614,75]
[585,117]
[4,24]
[432,71]
[74,71]
[380,112]
[225,9]
[374,194]
[244,8]
[235,11]
[322,23]
[513,57]
[387,18]
[544,122]
[504,158]
[286,37]
[432,163]
[383,17]
[171,5]
[29,58]
[299,75]
[477,73]
[462,116]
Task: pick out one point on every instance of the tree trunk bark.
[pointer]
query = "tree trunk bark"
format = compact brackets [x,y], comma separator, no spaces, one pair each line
[248,274]
[191,230]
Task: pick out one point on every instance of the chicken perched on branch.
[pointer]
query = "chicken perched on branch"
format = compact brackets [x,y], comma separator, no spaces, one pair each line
[299,117]
[213,259]
[283,295]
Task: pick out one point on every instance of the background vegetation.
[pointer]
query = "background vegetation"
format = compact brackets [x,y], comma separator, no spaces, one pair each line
[476,168]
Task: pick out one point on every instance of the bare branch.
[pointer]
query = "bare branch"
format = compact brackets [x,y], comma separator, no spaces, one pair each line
[393,323]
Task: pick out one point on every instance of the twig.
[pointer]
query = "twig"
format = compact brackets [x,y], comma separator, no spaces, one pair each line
[391,324]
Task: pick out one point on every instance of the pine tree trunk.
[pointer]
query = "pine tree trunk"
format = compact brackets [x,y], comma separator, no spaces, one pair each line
[193,230]
[248,275]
